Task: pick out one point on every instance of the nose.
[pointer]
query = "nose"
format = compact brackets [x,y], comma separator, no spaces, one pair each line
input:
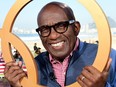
[53,35]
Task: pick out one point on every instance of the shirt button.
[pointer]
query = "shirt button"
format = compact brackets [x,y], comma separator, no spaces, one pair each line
[64,73]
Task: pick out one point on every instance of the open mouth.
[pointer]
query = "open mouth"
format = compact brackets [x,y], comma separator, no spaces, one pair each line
[58,45]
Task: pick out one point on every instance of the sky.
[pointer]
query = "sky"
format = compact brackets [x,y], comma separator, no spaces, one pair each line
[27,19]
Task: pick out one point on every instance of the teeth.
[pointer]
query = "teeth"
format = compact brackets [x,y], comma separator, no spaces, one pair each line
[58,44]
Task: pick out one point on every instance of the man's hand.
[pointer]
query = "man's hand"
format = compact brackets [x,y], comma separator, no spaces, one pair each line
[91,77]
[14,72]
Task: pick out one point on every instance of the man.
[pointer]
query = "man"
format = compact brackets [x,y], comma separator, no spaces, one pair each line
[35,47]
[67,59]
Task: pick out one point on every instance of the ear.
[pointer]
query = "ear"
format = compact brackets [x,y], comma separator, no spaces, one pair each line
[77,27]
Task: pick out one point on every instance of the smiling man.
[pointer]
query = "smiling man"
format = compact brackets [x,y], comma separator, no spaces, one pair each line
[56,31]
[67,59]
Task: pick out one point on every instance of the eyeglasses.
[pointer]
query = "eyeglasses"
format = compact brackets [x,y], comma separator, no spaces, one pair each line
[60,27]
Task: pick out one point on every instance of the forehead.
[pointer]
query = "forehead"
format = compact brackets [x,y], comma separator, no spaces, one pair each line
[51,15]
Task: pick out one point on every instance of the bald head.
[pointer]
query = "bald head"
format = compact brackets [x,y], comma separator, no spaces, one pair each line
[55,6]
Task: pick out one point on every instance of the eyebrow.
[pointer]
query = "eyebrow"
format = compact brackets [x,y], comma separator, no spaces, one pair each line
[70,21]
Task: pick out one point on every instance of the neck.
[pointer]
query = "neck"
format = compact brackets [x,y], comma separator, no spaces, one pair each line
[60,59]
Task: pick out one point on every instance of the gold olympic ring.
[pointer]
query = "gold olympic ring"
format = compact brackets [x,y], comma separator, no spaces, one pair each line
[7,38]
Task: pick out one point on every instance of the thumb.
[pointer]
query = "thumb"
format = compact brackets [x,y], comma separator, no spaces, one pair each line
[107,67]
[20,63]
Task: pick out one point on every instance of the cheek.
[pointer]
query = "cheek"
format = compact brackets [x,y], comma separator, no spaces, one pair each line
[71,38]
[44,42]
[72,41]
[70,34]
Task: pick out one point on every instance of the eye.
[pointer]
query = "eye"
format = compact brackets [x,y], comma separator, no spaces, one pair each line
[61,25]
[44,29]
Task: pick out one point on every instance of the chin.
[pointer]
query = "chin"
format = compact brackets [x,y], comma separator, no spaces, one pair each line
[60,56]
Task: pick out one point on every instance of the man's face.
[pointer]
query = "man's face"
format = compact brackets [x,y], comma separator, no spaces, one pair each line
[58,45]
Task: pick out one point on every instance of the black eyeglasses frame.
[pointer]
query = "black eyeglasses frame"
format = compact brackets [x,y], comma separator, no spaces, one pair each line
[54,27]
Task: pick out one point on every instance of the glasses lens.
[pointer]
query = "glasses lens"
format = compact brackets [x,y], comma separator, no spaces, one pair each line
[44,31]
[61,27]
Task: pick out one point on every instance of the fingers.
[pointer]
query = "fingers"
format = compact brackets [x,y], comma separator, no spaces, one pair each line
[15,76]
[88,73]
[12,63]
[8,65]
[92,70]
[12,66]
[105,72]
[80,81]
[107,67]
[83,81]
[14,72]
[91,77]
